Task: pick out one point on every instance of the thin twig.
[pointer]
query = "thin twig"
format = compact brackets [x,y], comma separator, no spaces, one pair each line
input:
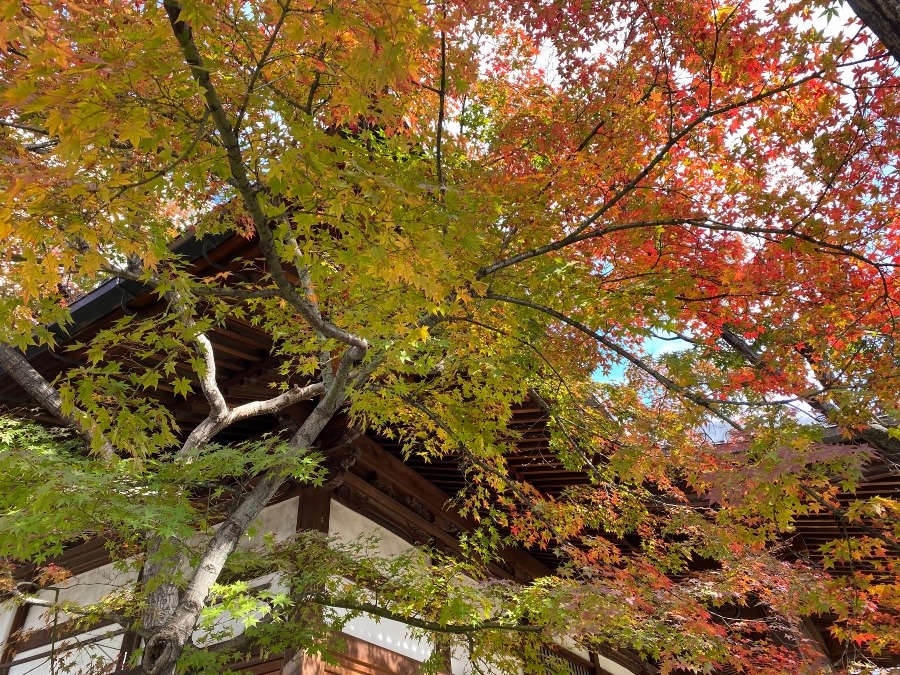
[24,127]
[661,153]
[667,382]
[433,626]
[260,64]
[171,165]
[442,95]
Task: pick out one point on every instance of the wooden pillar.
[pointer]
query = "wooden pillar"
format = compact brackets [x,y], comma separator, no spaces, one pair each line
[314,509]
[15,628]
[313,513]
[301,664]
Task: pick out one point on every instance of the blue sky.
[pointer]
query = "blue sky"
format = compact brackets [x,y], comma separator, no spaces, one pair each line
[653,346]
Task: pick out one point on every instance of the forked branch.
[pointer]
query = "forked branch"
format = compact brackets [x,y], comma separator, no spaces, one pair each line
[248,191]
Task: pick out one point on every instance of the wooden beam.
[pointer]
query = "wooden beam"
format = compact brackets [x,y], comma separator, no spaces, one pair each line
[382,467]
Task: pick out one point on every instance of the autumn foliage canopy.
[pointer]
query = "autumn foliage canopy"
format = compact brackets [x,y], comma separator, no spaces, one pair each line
[673,225]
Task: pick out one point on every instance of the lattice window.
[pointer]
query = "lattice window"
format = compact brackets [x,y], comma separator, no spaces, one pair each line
[574,667]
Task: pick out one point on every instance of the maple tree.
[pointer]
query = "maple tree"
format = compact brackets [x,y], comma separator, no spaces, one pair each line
[459,207]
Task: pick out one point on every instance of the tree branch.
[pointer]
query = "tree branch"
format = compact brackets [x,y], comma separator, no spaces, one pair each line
[874,433]
[24,127]
[165,646]
[882,18]
[673,386]
[654,161]
[442,96]
[209,427]
[241,181]
[38,388]
[616,349]
[433,626]
[237,293]
[218,408]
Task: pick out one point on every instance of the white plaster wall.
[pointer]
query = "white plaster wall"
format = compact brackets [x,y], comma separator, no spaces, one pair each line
[84,589]
[91,586]
[7,612]
[461,665]
[575,649]
[389,634]
[81,660]
[459,662]
[279,519]
[612,667]
[347,525]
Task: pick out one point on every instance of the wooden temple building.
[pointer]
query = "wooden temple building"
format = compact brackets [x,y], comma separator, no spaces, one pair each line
[401,501]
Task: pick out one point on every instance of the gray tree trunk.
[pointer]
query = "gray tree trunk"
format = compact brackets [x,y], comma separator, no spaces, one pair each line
[883,18]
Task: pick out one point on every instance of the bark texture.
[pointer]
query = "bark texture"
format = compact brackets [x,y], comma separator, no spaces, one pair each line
[883,18]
